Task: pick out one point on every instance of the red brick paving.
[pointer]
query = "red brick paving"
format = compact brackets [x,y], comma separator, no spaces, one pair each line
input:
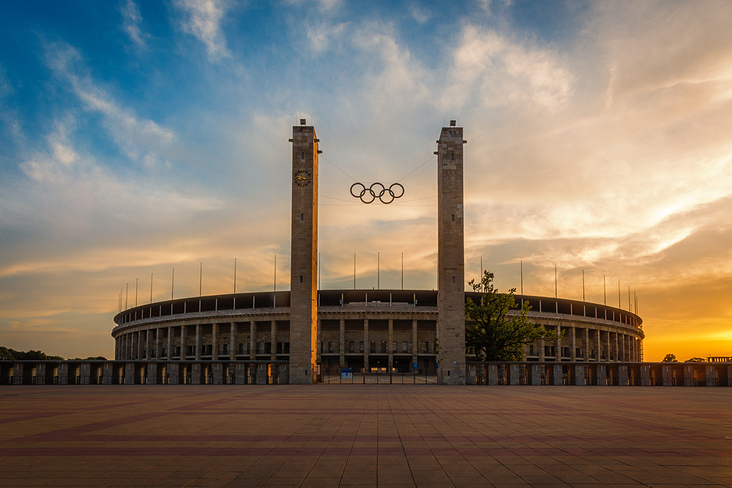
[364,435]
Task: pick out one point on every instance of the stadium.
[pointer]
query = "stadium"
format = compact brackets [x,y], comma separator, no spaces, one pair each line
[321,332]
[364,330]
[306,335]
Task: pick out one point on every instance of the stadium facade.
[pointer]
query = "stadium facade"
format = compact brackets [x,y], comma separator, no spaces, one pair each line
[306,332]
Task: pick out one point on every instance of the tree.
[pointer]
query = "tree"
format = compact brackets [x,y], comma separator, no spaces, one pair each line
[31,355]
[493,333]
[6,353]
[696,360]
[670,358]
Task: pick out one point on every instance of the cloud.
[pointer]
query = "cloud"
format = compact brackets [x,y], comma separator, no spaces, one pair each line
[393,76]
[203,20]
[493,70]
[322,34]
[52,166]
[329,4]
[9,116]
[419,13]
[142,140]
[324,6]
[131,20]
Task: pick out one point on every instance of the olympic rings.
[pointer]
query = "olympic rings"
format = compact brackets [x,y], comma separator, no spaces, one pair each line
[377,190]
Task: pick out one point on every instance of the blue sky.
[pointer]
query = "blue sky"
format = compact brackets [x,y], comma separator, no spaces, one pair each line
[142,136]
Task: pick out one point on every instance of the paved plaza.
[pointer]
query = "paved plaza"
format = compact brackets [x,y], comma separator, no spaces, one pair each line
[364,435]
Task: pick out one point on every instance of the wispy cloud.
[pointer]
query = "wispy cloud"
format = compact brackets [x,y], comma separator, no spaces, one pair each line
[419,13]
[54,165]
[322,34]
[493,70]
[202,19]
[142,139]
[131,20]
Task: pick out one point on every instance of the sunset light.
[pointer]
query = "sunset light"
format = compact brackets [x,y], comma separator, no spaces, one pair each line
[141,137]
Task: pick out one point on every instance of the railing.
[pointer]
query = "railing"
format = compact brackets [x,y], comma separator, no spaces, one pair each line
[380,378]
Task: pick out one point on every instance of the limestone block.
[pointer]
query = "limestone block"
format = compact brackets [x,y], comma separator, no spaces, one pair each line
[645,375]
[602,375]
[579,374]
[557,375]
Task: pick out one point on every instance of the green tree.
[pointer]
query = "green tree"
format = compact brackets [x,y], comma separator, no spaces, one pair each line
[31,355]
[696,360]
[493,334]
[6,353]
[670,358]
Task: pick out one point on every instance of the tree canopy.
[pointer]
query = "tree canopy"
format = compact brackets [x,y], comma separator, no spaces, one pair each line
[494,334]
[12,354]
[670,358]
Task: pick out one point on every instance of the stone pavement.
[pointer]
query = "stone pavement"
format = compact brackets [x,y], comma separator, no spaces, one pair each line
[364,435]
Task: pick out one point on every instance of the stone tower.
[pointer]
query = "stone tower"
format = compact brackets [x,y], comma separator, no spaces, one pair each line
[304,255]
[451,257]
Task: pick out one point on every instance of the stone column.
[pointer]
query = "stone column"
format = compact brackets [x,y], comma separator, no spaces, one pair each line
[232,341]
[147,344]
[253,340]
[389,347]
[586,344]
[198,342]
[139,344]
[631,348]
[619,346]
[414,343]
[573,336]
[629,339]
[579,375]
[625,355]
[558,345]
[342,344]
[273,340]
[318,344]
[599,345]
[607,343]
[214,341]
[366,345]
[157,343]
[451,257]
[169,350]
[183,341]
[542,355]
[304,255]
[631,356]
[557,375]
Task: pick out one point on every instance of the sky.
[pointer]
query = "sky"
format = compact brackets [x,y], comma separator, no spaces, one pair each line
[141,137]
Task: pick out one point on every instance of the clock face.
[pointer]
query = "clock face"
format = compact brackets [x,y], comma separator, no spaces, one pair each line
[302,178]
